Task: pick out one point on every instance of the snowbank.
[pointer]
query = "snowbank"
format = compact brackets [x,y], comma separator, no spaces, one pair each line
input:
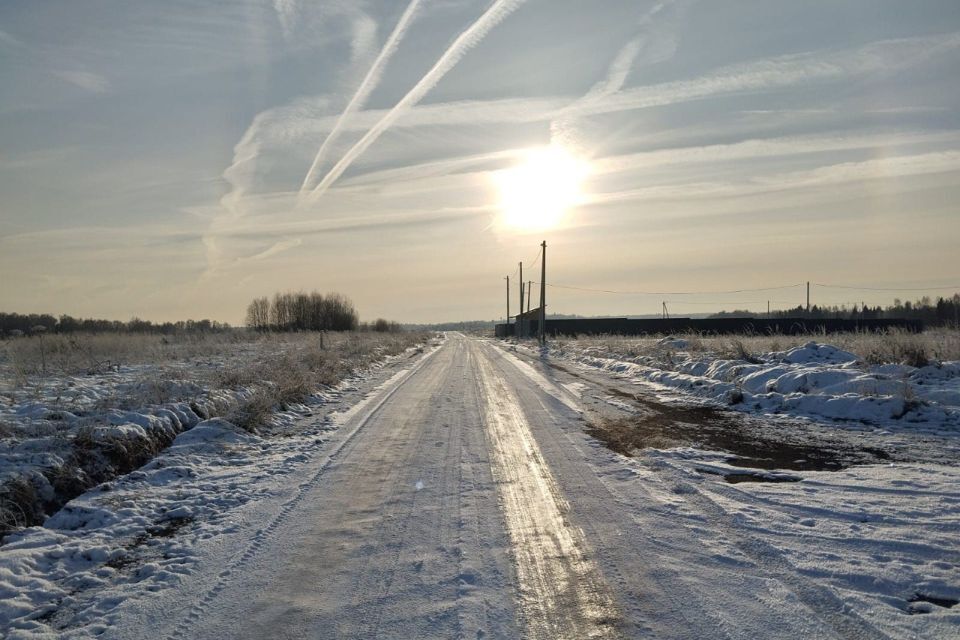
[813,380]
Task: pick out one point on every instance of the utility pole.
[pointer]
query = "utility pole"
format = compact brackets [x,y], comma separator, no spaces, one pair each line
[768,308]
[666,314]
[520,317]
[808,297]
[508,299]
[529,296]
[543,293]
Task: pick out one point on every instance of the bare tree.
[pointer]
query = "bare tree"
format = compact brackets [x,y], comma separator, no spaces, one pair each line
[258,314]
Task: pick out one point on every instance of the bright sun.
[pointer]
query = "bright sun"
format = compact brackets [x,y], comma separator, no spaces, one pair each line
[536,193]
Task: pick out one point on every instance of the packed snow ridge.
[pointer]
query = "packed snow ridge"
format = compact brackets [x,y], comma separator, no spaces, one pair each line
[814,380]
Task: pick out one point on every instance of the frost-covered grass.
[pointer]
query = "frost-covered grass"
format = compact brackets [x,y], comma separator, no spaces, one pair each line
[890,379]
[892,347]
[76,411]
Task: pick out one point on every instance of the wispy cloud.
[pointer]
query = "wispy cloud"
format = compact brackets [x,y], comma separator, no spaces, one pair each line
[278,247]
[370,81]
[8,40]
[882,57]
[93,82]
[771,147]
[825,176]
[467,40]
[649,46]
[287,13]
[307,118]
[296,129]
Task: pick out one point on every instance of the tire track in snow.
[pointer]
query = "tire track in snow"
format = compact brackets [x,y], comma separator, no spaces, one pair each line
[393,531]
[393,385]
[562,594]
[642,608]
[818,599]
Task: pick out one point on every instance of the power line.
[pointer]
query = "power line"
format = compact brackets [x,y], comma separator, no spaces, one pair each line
[533,262]
[731,291]
[842,286]
[733,302]
[671,293]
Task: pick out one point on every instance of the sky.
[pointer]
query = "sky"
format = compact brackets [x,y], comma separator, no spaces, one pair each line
[175,160]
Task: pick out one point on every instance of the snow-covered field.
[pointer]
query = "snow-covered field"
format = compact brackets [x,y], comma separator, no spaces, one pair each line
[77,411]
[711,542]
[883,536]
[813,379]
[136,532]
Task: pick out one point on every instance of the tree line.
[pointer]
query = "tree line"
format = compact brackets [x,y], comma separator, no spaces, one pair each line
[302,312]
[943,312]
[12,324]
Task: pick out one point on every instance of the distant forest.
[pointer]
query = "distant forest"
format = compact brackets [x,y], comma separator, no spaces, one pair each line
[28,323]
[945,311]
[335,312]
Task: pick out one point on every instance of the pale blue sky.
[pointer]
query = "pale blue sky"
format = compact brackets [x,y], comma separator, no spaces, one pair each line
[152,154]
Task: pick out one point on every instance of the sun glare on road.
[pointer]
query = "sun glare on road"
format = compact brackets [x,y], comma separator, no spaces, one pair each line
[536,193]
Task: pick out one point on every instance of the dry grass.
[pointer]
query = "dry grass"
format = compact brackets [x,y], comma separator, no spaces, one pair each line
[891,347]
[20,505]
[301,366]
[81,353]
[275,370]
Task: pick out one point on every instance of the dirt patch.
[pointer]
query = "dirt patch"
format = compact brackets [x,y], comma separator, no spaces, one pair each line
[920,603]
[168,528]
[121,563]
[737,478]
[664,426]
[946,603]
[657,425]
[660,426]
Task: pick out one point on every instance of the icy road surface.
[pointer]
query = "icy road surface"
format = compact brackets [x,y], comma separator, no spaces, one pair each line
[463,499]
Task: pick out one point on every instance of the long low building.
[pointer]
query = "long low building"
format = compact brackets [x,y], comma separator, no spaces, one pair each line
[647,326]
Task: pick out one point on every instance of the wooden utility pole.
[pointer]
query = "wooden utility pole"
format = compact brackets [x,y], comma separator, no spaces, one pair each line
[520,317]
[529,296]
[543,292]
[768,308]
[808,297]
[508,299]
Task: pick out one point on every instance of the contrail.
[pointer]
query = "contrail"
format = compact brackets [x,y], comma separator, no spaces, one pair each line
[563,125]
[470,38]
[369,82]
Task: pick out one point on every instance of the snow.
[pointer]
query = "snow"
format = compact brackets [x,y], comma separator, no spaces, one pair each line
[869,550]
[877,542]
[815,380]
[882,537]
[140,534]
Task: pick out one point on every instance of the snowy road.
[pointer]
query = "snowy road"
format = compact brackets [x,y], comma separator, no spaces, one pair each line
[464,500]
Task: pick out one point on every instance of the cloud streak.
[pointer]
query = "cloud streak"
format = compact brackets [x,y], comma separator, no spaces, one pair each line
[305,118]
[286,129]
[467,40]
[657,45]
[812,179]
[367,85]
[783,71]
[92,82]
